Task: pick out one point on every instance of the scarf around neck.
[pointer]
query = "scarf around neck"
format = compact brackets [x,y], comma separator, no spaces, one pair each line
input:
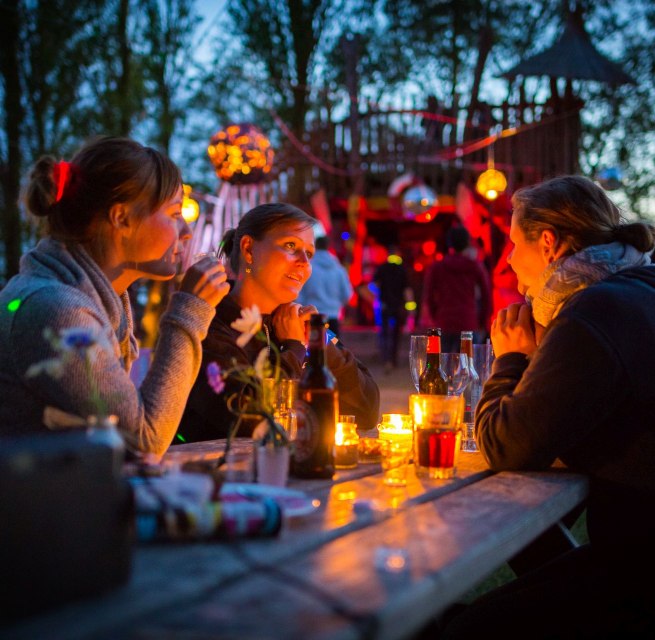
[564,277]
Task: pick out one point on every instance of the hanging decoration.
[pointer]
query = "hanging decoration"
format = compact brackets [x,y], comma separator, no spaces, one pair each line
[420,203]
[241,154]
[491,183]
[190,207]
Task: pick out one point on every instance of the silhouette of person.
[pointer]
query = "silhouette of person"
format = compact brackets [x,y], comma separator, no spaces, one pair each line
[457,292]
[329,287]
[393,292]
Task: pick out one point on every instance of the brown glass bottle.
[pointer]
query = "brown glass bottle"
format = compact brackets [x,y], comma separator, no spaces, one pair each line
[316,409]
[433,380]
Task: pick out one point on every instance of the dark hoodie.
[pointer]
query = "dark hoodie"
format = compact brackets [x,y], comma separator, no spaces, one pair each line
[207,416]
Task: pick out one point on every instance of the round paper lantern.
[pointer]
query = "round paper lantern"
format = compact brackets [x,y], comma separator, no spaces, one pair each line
[241,154]
[491,183]
[419,203]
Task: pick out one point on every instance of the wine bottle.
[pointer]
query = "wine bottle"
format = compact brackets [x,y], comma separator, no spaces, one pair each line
[473,388]
[472,393]
[433,380]
[316,409]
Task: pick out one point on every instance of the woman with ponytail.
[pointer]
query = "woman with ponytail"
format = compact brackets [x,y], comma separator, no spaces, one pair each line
[113,216]
[269,256]
[573,379]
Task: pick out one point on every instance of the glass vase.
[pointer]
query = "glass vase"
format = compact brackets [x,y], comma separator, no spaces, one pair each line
[273,464]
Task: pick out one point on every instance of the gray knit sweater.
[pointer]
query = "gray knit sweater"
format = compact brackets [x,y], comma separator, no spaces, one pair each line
[58,287]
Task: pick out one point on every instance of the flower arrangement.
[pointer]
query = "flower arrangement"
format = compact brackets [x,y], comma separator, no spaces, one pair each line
[255,398]
[71,344]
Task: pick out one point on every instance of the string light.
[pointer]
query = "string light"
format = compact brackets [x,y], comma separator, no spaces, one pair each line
[190,208]
[241,154]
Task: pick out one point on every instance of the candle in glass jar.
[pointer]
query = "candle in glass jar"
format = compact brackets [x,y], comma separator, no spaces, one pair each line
[395,426]
[346,443]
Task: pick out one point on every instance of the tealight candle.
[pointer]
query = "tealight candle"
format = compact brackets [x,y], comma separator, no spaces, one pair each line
[346,443]
[396,426]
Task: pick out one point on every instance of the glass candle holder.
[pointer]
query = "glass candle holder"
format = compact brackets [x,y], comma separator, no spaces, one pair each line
[396,426]
[346,444]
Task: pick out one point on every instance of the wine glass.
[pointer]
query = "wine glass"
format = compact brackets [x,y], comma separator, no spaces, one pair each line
[456,368]
[418,346]
[483,356]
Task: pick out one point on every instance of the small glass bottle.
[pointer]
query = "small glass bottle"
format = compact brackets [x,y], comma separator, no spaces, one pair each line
[433,380]
[472,393]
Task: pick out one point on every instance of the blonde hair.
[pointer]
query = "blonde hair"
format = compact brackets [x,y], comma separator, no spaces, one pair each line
[579,212]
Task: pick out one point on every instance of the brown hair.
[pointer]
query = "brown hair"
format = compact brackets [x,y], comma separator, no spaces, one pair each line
[256,223]
[579,212]
[104,172]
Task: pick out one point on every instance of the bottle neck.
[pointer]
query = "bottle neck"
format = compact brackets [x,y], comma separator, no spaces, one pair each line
[466,347]
[316,347]
[434,345]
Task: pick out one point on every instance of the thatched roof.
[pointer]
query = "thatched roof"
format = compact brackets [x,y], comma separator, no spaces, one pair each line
[574,57]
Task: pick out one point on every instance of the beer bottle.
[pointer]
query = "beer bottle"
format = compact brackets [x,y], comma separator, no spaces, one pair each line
[433,379]
[316,409]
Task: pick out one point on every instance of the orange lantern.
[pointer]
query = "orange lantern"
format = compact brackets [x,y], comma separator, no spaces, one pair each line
[190,208]
[491,183]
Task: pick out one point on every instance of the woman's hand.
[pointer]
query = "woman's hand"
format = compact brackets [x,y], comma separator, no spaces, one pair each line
[289,321]
[513,330]
[207,280]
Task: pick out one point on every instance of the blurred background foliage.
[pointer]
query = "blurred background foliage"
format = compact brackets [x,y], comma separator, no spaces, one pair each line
[171,72]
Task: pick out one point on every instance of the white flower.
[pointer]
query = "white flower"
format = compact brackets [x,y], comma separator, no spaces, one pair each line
[248,324]
[53,368]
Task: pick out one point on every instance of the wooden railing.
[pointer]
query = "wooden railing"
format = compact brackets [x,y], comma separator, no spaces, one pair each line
[394,142]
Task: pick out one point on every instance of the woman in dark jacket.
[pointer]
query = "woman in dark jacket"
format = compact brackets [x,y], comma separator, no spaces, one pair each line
[572,381]
[270,256]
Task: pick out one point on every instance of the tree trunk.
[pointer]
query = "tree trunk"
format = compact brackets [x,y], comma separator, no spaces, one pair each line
[9,35]
[124,79]
[351,49]
[485,43]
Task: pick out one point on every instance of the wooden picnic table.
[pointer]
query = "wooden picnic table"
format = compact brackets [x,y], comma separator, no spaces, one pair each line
[368,562]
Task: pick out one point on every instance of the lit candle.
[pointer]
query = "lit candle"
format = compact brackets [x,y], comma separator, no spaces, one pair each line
[396,426]
[346,442]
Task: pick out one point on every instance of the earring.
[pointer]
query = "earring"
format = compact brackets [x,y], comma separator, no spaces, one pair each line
[248,269]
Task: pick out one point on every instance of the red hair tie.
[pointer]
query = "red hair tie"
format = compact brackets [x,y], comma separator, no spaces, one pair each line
[61,174]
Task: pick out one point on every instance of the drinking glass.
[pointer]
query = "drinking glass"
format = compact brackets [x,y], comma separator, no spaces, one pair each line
[437,434]
[396,455]
[483,356]
[418,346]
[197,257]
[281,395]
[455,366]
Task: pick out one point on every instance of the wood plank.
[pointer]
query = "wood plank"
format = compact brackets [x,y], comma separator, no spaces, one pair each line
[338,593]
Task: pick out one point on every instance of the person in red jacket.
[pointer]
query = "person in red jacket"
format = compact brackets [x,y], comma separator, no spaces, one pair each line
[457,293]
